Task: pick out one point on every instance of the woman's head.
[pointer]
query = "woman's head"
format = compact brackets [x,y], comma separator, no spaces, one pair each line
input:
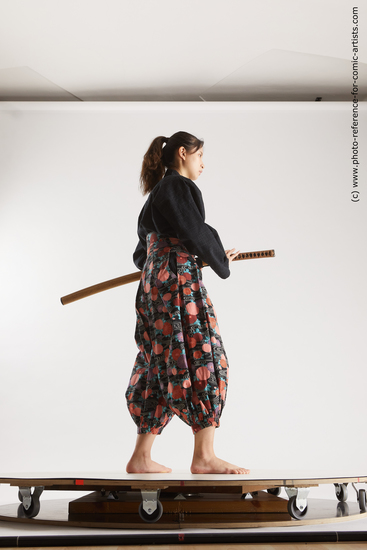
[182,152]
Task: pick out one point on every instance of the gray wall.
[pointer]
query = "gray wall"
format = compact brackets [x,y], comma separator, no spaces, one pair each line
[276,176]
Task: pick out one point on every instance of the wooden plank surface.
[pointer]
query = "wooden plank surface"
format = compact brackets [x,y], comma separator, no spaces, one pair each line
[264,478]
[204,503]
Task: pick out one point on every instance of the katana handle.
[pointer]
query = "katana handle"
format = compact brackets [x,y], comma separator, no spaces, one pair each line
[125,279]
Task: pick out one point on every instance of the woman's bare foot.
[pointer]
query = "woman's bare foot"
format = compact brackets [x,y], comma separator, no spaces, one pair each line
[204,460]
[214,465]
[140,462]
[140,465]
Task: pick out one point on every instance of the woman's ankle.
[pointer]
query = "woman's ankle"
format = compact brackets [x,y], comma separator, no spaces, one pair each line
[203,454]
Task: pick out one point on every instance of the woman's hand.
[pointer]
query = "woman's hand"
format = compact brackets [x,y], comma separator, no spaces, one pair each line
[231,254]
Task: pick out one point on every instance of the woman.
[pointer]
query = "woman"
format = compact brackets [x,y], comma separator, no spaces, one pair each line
[181,368]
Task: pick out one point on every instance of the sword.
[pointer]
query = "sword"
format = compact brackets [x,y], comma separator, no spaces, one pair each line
[131,277]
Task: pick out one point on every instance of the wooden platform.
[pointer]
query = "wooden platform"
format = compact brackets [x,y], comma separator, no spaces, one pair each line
[200,508]
[180,499]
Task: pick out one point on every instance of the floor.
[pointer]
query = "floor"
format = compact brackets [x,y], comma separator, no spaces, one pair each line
[280,546]
[340,535]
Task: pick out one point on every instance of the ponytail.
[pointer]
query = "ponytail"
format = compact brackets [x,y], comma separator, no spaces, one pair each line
[157,157]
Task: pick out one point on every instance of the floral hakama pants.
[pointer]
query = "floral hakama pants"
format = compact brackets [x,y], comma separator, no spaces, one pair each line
[181,368]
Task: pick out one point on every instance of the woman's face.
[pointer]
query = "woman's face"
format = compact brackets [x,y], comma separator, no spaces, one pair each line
[193,164]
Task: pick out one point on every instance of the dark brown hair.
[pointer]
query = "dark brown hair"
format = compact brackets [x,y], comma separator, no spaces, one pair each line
[157,158]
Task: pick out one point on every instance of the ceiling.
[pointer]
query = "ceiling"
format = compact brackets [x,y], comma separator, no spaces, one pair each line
[170,50]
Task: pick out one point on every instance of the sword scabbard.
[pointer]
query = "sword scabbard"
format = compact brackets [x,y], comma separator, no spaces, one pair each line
[131,277]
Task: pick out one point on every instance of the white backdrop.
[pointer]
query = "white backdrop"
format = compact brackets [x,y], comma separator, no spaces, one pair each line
[277,175]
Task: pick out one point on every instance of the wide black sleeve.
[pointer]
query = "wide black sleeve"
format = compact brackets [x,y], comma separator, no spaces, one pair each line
[175,201]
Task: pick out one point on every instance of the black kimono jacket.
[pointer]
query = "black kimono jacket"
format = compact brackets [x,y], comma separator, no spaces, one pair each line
[175,208]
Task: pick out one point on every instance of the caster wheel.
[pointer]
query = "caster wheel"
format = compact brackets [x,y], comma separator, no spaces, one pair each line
[151,518]
[341,492]
[294,511]
[276,491]
[30,506]
[32,511]
[362,500]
